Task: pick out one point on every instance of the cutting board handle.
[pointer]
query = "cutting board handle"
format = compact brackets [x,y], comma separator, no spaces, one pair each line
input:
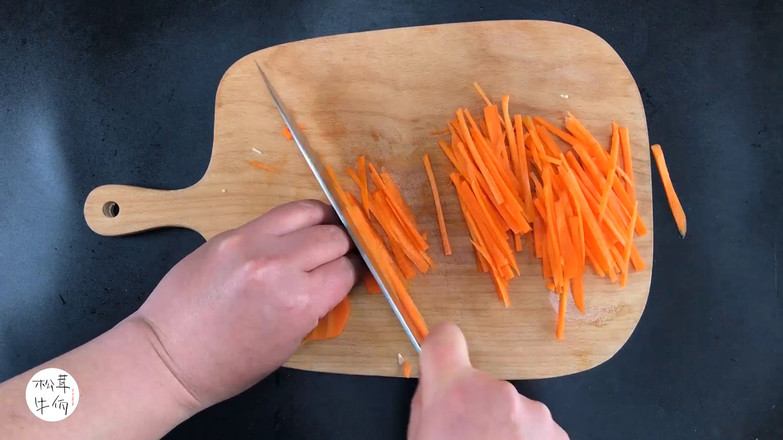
[120,209]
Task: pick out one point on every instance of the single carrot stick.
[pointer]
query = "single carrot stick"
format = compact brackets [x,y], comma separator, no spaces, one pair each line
[402,260]
[628,247]
[406,369]
[561,312]
[578,288]
[448,151]
[481,93]
[625,147]
[365,191]
[674,201]
[538,236]
[444,235]
[524,179]
[610,176]
[262,166]
[512,143]
[355,177]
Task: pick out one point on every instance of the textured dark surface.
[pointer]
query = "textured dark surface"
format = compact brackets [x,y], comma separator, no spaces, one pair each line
[123,92]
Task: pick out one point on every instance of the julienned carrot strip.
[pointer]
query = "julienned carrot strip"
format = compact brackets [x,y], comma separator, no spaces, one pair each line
[496,194]
[538,236]
[448,151]
[382,211]
[561,312]
[524,173]
[397,208]
[578,288]
[444,235]
[402,260]
[481,263]
[481,93]
[402,208]
[625,147]
[355,177]
[610,175]
[516,166]
[627,252]
[262,166]
[378,253]
[602,250]
[674,201]
[365,192]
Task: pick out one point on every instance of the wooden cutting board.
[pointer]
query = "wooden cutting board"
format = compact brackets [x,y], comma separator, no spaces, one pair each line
[380,94]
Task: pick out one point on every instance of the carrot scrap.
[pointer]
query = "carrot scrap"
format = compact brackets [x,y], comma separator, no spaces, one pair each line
[287,133]
[262,166]
[406,369]
[444,235]
[371,284]
[674,201]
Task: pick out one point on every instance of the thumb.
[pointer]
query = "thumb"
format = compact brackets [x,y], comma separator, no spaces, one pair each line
[444,357]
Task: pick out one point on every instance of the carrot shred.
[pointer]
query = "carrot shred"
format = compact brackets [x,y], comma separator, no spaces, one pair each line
[371,284]
[561,312]
[627,252]
[406,369]
[287,133]
[444,235]
[481,93]
[365,192]
[262,166]
[671,195]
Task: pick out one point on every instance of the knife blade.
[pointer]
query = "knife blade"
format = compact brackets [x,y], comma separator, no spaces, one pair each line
[319,170]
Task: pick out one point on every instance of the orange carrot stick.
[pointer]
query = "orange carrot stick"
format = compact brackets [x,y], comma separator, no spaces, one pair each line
[674,201]
[444,235]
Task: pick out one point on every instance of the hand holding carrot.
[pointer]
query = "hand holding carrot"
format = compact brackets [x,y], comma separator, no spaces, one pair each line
[455,401]
[238,307]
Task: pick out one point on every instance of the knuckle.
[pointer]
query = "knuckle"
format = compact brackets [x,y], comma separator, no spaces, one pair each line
[509,394]
[332,234]
[309,209]
[228,243]
[542,411]
[263,270]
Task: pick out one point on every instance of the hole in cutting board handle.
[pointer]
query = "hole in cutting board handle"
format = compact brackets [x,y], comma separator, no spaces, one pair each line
[111,209]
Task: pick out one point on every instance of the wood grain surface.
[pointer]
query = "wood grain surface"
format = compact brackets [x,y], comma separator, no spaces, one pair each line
[379,94]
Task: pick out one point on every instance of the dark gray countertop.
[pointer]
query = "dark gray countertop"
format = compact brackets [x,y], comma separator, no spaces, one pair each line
[123,92]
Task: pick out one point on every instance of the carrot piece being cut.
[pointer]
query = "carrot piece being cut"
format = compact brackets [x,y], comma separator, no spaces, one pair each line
[332,324]
[287,133]
[444,235]
[371,284]
[365,192]
[674,201]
